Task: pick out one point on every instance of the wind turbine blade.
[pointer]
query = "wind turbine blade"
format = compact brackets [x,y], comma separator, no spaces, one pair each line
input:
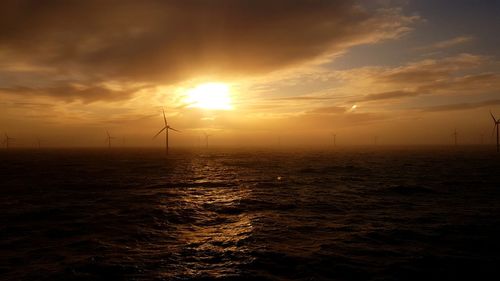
[164,118]
[160,132]
[174,129]
[494,120]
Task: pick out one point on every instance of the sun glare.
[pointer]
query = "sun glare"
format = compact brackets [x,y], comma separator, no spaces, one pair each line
[209,96]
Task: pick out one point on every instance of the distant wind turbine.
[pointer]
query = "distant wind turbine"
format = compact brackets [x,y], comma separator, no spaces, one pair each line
[166,128]
[496,121]
[334,136]
[206,139]
[6,140]
[455,135]
[109,138]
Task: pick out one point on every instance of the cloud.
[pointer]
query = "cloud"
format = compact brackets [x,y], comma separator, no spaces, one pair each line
[453,42]
[27,105]
[302,98]
[328,110]
[461,106]
[425,77]
[474,83]
[387,87]
[430,70]
[70,93]
[388,95]
[164,42]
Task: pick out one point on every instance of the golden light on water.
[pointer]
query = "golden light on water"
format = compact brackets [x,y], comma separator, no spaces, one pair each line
[210,96]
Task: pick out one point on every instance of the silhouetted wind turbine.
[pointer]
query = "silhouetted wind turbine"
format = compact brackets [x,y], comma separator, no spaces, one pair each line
[206,139]
[6,140]
[334,139]
[109,138]
[166,128]
[496,121]
[455,135]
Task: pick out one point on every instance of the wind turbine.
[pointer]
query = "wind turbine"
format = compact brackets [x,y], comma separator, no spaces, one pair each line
[496,121]
[455,135]
[334,136]
[206,139]
[109,138]
[6,140]
[166,128]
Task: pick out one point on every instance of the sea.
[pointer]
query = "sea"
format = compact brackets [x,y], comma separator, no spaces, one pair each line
[357,213]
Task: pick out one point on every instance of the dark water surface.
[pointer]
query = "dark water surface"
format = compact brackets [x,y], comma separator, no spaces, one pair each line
[358,214]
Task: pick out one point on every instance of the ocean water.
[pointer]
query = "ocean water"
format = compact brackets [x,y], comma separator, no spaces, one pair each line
[415,213]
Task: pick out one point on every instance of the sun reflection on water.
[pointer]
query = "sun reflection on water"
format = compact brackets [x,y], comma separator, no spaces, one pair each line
[214,229]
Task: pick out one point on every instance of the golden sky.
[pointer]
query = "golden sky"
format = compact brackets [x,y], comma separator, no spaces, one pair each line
[249,72]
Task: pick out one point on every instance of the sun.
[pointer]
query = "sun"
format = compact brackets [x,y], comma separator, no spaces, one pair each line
[209,96]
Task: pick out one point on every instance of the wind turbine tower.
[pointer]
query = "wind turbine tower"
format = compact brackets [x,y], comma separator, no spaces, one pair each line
[206,139]
[496,122]
[109,138]
[6,140]
[166,128]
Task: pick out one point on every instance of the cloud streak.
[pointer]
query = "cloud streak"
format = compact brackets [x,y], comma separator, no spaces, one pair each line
[462,106]
[70,93]
[446,44]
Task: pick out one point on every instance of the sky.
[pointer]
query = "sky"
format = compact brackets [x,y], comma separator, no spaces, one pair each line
[249,72]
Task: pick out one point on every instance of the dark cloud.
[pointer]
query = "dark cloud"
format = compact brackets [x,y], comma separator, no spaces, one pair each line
[70,93]
[168,41]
